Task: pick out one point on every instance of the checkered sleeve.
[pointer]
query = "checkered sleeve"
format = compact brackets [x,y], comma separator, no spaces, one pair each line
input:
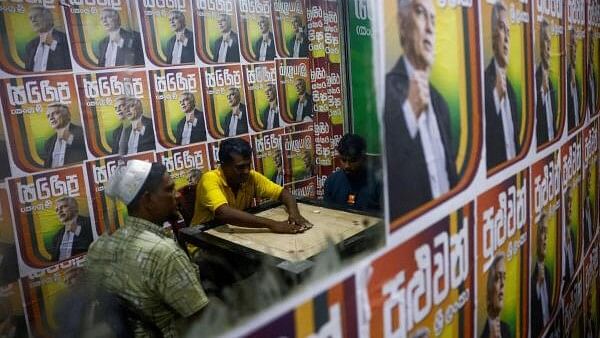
[179,285]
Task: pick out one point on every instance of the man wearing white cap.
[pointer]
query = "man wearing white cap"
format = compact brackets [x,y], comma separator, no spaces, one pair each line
[224,193]
[139,262]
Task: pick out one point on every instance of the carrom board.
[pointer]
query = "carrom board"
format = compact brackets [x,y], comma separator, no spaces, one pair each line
[329,226]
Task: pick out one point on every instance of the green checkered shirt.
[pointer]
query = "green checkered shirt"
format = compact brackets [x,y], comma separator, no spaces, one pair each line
[146,267]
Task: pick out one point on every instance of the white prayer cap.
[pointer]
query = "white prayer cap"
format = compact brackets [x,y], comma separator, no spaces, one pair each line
[127,181]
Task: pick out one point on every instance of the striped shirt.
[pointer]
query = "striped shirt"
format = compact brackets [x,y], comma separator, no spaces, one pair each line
[142,264]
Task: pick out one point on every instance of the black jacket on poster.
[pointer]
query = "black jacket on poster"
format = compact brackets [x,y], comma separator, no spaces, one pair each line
[58,59]
[242,126]
[74,153]
[233,52]
[537,319]
[130,53]
[198,132]
[409,185]
[540,110]
[187,52]
[80,243]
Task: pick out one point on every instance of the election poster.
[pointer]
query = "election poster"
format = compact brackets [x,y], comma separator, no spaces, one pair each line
[9,268]
[290,28]
[260,80]
[257,42]
[575,49]
[216,31]
[268,155]
[589,224]
[294,90]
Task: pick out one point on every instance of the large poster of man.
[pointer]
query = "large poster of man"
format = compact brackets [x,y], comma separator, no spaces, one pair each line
[431,114]
[290,28]
[104,34]
[592,54]
[33,38]
[257,42]
[506,33]
[217,38]
[261,94]
[168,32]
[294,89]
[109,213]
[43,121]
[545,240]
[116,112]
[589,224]
[549,60]
[224,101]
[571,155]
[177,100]
[503,261]
[51,217]
[425,286]
[575,38]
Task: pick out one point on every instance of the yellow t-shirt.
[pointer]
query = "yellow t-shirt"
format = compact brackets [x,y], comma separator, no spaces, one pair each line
[213,191]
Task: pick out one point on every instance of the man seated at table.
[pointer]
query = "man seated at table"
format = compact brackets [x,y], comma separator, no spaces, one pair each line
[224,193]
[140,262]
[355,185]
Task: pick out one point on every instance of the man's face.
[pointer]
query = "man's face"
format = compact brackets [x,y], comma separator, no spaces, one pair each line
[186,103]
[300,86]
[542,240]
[237,171]
[40,22]
[297,25]
[134,110]
[263,25]
[233,97]
[500,39]
[110,20]
[65,211]
[498,290]
[58,117]
[121,108]
[163,201]
[545,45]
[417,29]
[352,165]
[176,21]
[194,177]
[224,24]
[270,93]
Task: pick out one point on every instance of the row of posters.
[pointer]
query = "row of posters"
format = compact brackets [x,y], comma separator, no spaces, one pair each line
[75,35]
[521,260]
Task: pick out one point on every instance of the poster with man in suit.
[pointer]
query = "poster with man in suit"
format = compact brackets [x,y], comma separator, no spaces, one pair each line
[290,28]
[261,95]
[257,42]
[217,39]
[422,110]
[105,99]
[590,185]
[503,260]
[575,65]
[177,102]
[168,32]
[507,84]
[104,34]
[545,242]
[43,122]
[224,101]
[34,39]
[52,218]
[294,90]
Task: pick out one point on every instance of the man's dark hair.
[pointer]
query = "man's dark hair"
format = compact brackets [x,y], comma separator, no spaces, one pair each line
[351,145]
[157,171]
[233,146]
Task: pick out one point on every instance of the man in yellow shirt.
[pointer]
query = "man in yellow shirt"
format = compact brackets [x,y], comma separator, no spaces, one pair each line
[224,193]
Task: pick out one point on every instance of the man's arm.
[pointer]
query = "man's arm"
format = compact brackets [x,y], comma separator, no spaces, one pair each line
[229,215]
[292,208]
